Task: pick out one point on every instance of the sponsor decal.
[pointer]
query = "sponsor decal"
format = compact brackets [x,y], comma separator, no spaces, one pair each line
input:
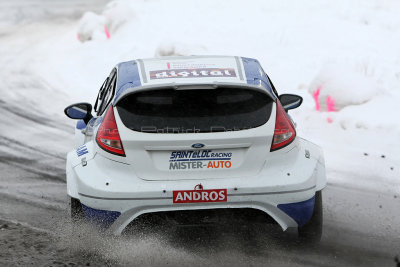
[200,159]
[199,196]
[192,73]
[82,150]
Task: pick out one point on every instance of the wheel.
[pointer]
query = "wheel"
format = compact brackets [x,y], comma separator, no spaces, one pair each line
[76,210]
[312,231]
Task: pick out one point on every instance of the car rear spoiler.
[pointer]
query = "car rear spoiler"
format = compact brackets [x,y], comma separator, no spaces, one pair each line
[191,86]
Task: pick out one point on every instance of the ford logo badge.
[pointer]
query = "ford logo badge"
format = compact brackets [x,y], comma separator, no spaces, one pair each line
[198,145]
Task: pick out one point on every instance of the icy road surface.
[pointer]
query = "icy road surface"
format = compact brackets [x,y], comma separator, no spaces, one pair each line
[41,74]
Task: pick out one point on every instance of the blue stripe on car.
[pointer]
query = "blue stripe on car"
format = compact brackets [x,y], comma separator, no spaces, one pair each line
[82,150]
[103,218]
[255,74]
[128,77]
[301,212]
[80,125]
[76,112]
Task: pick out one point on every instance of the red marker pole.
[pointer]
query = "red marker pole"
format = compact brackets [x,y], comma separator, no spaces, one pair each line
[315,96]
[107,32]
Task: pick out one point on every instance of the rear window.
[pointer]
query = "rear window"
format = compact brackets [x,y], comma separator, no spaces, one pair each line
[195,111]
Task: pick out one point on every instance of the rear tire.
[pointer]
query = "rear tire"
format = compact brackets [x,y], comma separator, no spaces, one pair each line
[76,210]
[311,232]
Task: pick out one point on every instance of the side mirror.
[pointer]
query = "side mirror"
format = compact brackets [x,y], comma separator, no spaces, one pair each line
[290,101]
[79,111]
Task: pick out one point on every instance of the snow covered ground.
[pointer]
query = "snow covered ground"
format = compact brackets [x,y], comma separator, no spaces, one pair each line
[345,54]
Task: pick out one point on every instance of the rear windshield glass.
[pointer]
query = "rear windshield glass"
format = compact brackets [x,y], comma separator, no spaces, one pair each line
[195,111]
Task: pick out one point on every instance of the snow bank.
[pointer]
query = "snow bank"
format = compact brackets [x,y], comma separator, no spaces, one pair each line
[91,27]
[337,86]
[179,49]
[100,27]
[116,13]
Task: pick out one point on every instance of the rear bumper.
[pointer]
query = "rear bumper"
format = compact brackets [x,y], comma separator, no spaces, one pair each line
[284,189]
[286,214]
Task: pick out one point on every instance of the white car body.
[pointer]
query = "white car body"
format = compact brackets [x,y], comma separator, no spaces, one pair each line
[144,181]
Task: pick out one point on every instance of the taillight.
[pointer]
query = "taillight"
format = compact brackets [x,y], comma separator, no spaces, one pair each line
[107,135]
[284,130]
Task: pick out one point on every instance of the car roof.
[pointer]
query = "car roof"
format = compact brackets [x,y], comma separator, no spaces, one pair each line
[190,70]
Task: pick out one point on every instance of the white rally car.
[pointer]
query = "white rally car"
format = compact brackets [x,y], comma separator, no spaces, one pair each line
[194,133]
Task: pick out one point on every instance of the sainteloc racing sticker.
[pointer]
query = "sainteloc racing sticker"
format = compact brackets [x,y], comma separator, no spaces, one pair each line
[200,159]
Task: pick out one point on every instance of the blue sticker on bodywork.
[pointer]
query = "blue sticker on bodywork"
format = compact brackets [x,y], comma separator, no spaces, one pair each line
[82,150]
[103,218]
[80,125]
[255,74]
[128,77]
[301,212]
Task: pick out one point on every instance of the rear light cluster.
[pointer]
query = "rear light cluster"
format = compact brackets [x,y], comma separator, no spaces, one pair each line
[108,137]
[284,132]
